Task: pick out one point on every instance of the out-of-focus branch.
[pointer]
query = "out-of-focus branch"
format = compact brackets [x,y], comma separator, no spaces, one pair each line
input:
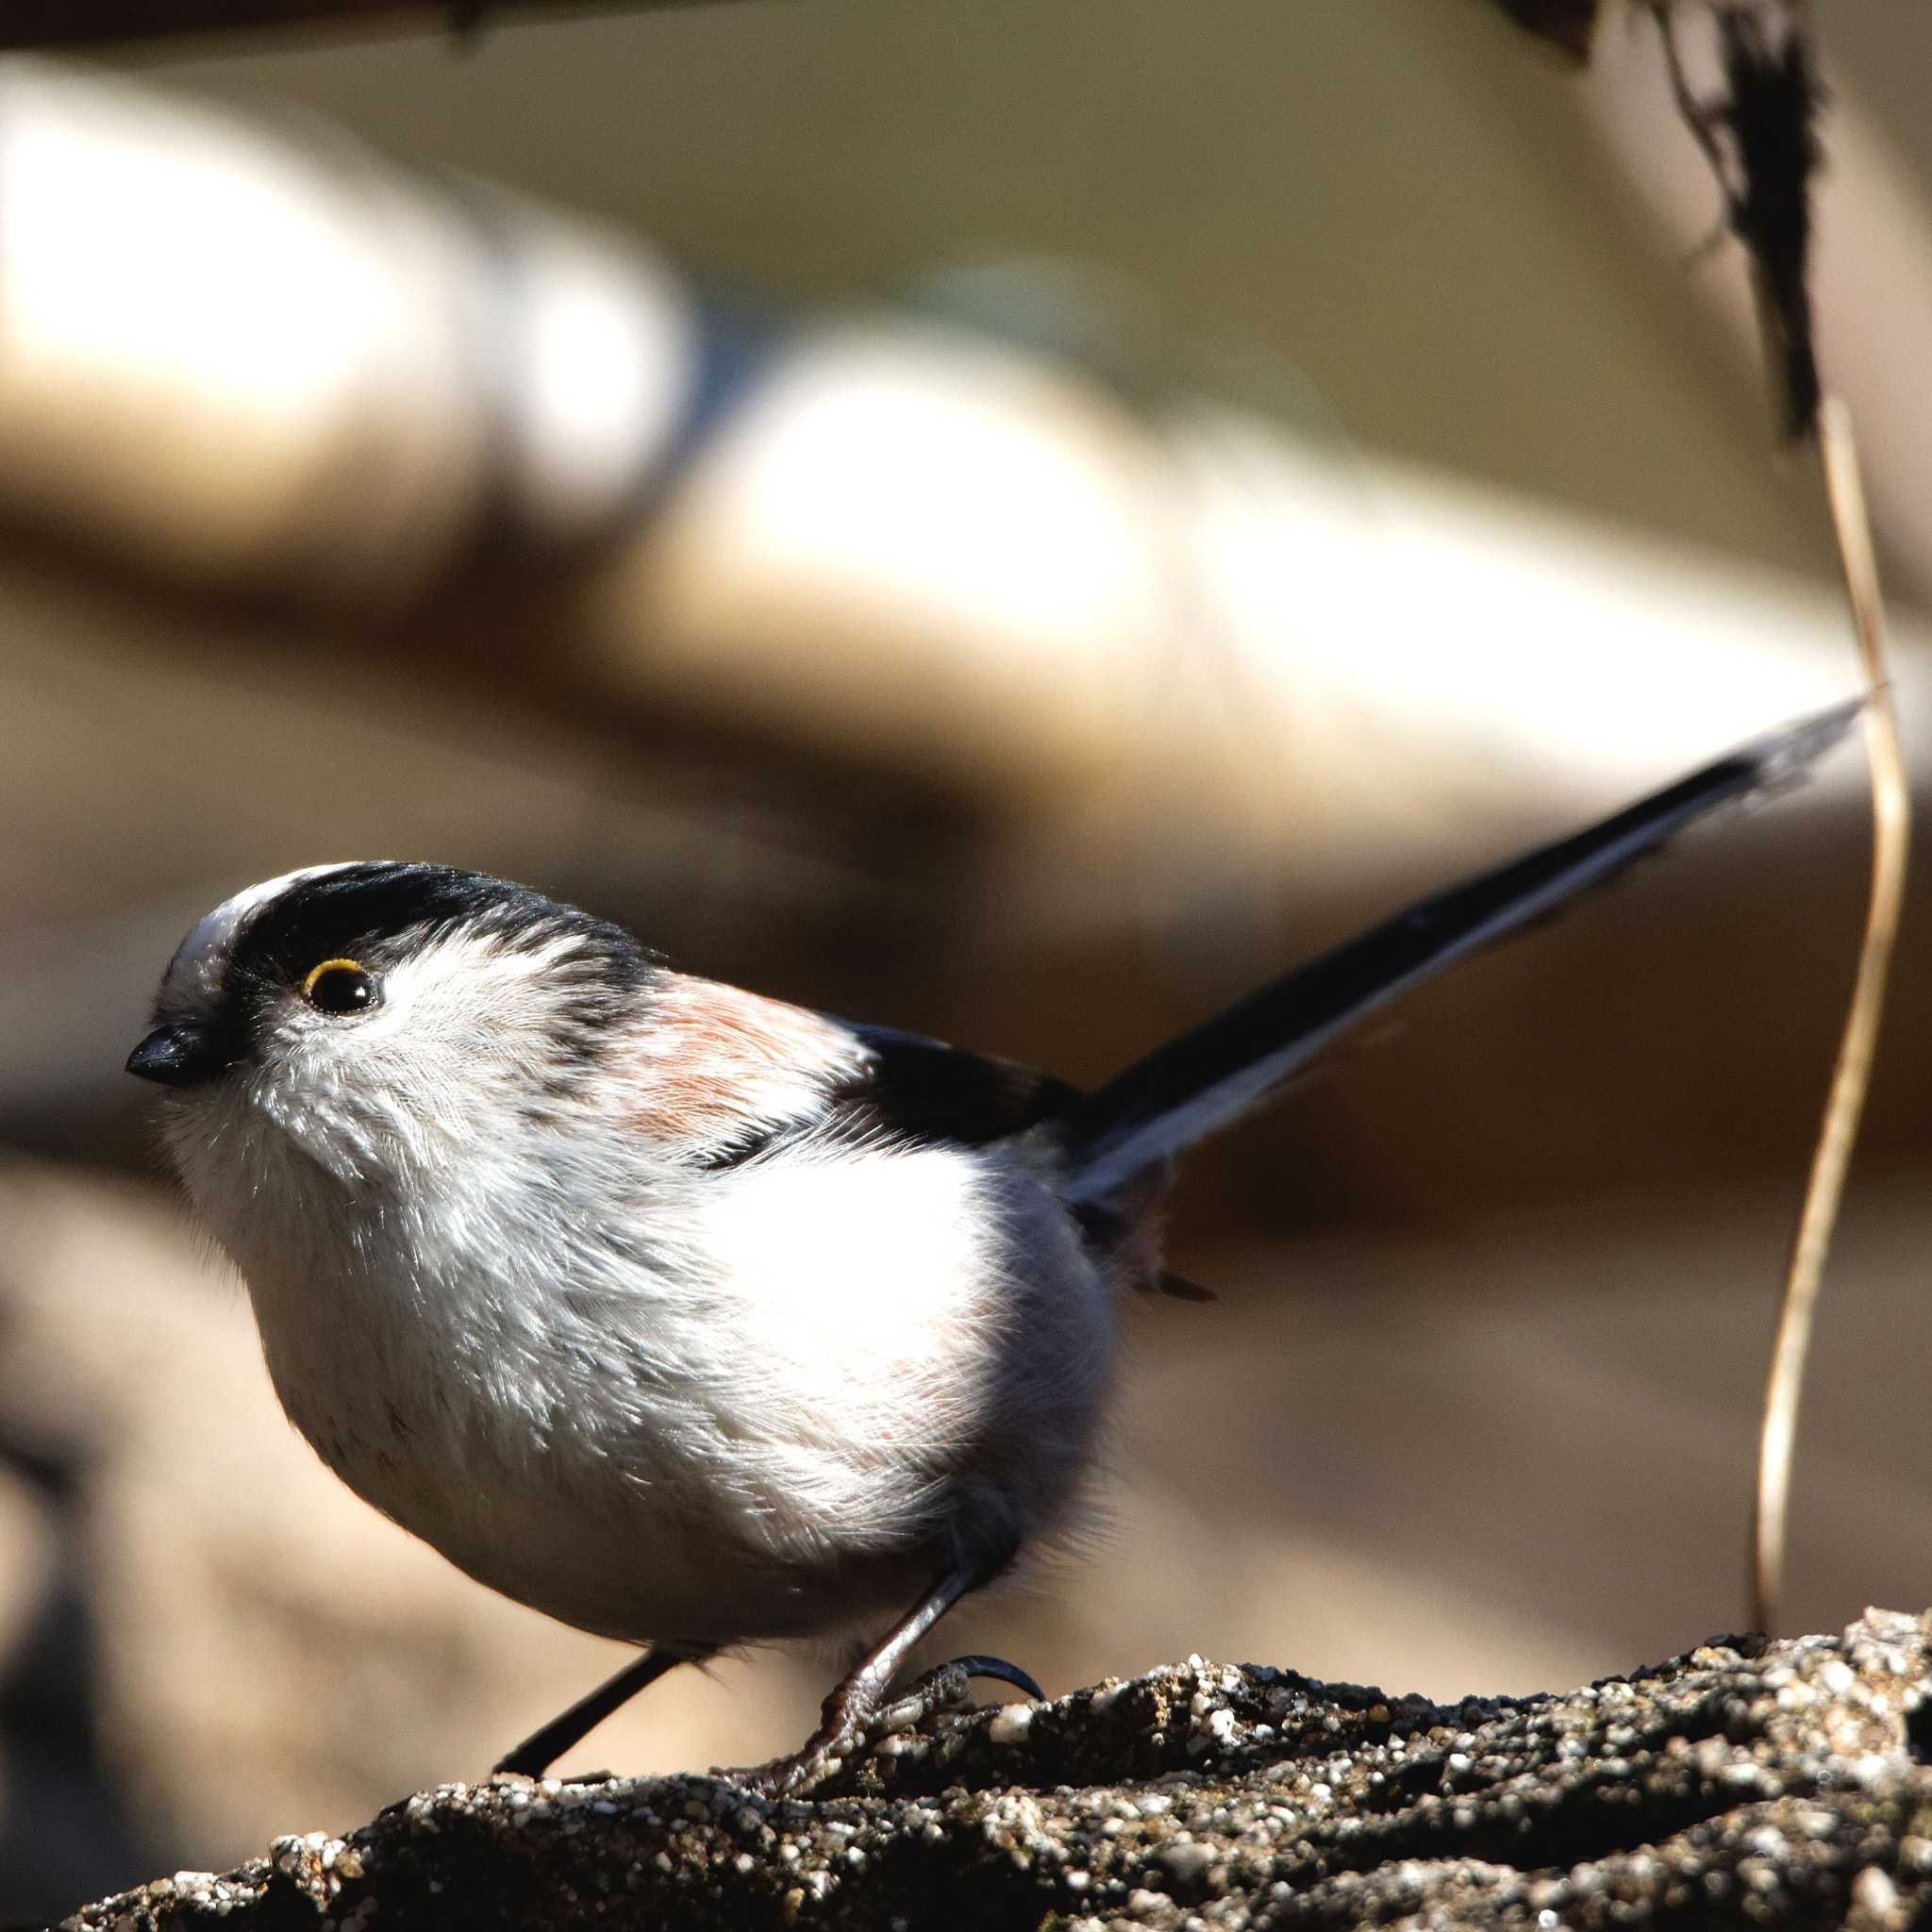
[238,366]
[250,368]
[42,24]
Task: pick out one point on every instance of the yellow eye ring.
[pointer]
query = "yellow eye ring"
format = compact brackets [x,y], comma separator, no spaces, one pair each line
[340,985]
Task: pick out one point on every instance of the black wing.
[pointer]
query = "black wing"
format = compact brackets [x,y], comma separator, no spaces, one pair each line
[924,1090]
[914,1091]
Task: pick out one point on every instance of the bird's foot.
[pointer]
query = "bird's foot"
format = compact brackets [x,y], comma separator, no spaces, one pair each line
[845,1732]
[946,1687]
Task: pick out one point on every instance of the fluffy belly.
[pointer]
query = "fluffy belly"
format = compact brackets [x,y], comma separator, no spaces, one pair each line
[880,1370]
[636,1561]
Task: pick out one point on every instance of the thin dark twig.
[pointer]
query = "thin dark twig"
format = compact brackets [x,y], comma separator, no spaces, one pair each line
[1700,120]
[1760,142]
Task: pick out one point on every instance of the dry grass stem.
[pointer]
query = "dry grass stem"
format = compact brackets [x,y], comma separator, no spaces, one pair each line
[1851,1077]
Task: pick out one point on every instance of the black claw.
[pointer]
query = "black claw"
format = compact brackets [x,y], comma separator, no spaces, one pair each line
[997,1667]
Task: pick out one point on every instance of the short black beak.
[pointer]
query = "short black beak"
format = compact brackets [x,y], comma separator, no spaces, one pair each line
[179,1055]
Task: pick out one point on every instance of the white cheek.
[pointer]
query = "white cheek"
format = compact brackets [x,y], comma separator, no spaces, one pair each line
[436,1069]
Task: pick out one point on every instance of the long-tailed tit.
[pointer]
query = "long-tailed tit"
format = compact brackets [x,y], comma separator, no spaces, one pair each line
[687,1316]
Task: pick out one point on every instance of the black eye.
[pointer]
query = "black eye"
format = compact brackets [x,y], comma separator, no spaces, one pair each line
[338,986]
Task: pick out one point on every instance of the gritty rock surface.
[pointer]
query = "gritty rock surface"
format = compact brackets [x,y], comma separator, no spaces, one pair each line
[1746,1784]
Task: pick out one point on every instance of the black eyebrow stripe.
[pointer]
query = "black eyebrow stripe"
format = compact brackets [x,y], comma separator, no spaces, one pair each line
[358,912]
[332,914]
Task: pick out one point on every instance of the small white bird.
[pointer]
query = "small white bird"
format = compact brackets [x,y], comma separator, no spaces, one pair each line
[690,1317]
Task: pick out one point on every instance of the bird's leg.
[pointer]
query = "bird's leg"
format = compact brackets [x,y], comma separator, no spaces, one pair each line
[542,1748]
[854,1706]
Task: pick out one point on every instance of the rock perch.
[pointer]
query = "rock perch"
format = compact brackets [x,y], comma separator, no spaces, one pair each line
[1749,1783]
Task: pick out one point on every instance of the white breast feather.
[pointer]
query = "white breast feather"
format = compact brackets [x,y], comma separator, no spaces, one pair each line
[860,1292]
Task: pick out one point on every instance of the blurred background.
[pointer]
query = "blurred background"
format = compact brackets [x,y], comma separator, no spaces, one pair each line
[1014,522]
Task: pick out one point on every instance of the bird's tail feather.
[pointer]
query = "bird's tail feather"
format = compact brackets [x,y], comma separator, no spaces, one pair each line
[1218,1071]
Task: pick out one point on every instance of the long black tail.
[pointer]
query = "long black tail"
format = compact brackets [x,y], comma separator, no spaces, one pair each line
[1210,1076]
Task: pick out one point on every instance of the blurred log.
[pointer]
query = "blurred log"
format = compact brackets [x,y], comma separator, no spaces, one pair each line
[1746,1784]
[242,366]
